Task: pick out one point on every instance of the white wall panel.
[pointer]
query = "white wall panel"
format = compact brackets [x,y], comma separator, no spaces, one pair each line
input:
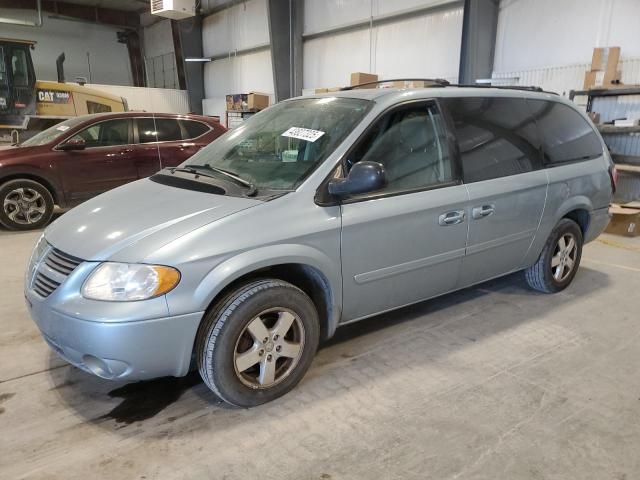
[108,59]
[321,15]
[242,26]
[328,61]
[547,33]
[158,39]
[242,74]
[571,77]
[423,46]
[165,100]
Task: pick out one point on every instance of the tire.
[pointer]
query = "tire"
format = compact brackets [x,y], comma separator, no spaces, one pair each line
[544,275]
[25,205]
[231,329]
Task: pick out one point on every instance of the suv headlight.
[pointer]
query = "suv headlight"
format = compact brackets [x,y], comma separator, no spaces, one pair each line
[123,282]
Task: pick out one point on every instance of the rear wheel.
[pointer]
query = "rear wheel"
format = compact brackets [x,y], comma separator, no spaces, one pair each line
[559,260]
[25,205]
[258,342]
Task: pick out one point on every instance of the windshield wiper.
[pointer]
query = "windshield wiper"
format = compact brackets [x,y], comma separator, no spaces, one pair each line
[196,169]
[190,170]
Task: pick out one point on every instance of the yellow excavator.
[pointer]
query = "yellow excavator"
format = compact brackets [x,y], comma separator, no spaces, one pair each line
[28,106]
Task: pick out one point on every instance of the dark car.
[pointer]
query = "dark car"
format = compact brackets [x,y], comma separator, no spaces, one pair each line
[88,155]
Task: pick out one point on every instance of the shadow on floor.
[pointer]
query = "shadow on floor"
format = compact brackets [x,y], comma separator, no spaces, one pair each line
[139,402]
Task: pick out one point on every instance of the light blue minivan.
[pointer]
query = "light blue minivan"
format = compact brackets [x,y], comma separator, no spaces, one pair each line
[316,212]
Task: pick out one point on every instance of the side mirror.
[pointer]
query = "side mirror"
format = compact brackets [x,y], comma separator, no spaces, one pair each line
[73,144]
[363,177]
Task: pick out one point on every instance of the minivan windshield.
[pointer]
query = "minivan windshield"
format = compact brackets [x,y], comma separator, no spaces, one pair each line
[277,148]
[52,133]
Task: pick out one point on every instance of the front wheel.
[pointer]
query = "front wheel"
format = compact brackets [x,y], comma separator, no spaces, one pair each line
[25,205]
[559,260]
[257,343]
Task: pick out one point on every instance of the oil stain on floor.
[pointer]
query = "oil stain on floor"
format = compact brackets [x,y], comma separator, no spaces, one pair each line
[145,399]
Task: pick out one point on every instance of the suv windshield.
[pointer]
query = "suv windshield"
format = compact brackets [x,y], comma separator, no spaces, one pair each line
[276,149]
[52,133]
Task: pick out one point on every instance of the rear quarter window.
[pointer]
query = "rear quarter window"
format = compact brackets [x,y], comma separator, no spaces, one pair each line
[193,129]
[566,136]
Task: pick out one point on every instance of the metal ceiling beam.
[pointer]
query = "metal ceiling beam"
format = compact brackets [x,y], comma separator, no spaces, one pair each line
[479,28]
[285,32]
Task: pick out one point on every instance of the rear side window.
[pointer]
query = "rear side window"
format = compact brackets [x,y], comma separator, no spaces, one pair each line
[158,130]
[146,130]
[168,130]
[566,135]
[497,137]
[193,129]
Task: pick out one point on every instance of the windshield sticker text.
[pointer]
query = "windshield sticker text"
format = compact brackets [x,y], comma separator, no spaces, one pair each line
[303,134]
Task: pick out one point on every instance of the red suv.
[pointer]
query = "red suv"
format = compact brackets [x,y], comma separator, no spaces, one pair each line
[88,155]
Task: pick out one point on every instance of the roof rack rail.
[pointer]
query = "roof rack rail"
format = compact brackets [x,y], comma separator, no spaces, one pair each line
[440,82]
[437,82]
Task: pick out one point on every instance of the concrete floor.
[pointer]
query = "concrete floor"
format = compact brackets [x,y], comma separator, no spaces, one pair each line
[494,382]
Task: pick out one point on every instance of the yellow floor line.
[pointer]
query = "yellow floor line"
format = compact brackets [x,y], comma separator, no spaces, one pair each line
[611,264]
[611,243]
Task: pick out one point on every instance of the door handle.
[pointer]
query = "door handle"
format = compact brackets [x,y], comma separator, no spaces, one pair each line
[187,145]
[451,218]
[482,211]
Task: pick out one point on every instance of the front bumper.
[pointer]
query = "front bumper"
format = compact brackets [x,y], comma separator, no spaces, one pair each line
[132,350]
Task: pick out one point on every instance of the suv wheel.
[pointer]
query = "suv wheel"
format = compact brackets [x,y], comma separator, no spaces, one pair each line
[257,343]
[559,260]
[25,205]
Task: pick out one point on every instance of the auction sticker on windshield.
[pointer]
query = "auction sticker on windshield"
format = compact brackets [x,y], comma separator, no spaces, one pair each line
[303,134]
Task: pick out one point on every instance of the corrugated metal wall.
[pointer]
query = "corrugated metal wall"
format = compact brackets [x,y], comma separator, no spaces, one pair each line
[163,100]
[422,45]
[569,77]
[242,26]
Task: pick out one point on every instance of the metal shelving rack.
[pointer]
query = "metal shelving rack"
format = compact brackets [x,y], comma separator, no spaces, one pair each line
[623,142]
[235,118]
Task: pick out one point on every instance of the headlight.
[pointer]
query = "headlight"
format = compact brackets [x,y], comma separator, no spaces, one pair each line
[122,282]
[38,252]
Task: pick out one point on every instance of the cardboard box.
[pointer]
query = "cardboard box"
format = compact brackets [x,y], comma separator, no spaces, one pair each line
[358,78]
[595,117]
[247,101]
[604,68]
[605,58]
[625,221]
[321,90]
[257,101]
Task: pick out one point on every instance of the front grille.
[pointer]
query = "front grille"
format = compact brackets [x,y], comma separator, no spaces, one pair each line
[43,285]
[61,262]
[61,266]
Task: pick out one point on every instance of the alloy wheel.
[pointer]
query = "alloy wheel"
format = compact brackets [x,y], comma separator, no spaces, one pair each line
[24,206]
[269,348]
[564,257]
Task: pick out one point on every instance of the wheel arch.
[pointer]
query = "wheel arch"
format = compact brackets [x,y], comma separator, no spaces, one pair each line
[304,267]
[36,178]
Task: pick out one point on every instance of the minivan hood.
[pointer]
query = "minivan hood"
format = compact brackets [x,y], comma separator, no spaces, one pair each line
[132,221]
